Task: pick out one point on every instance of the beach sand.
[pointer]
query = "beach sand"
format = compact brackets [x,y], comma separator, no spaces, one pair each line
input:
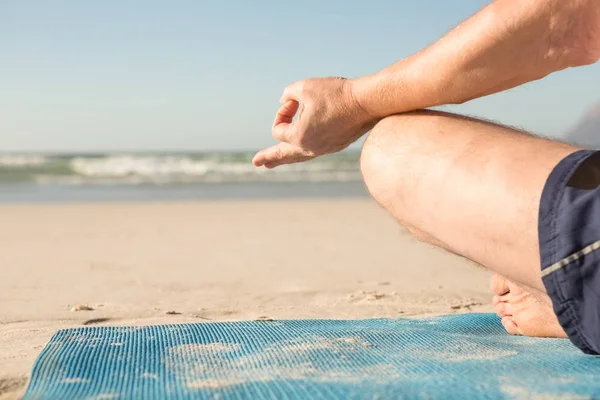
[155,263]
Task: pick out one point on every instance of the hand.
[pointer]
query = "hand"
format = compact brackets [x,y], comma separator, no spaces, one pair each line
[330,119]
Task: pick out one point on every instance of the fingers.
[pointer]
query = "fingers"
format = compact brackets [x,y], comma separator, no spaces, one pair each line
[281,154]
[292,92]
[290,103]
[283,120]
[286,113]
[283,127]
[291,159]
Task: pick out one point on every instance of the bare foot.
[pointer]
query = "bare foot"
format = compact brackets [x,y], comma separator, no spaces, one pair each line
[524,311]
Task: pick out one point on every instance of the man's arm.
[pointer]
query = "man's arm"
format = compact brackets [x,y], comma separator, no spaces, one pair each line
[507,44]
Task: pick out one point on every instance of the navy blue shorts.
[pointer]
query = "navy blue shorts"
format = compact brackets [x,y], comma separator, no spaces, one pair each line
[569,233]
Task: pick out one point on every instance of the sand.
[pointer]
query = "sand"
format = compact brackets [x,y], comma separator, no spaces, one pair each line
[149,263]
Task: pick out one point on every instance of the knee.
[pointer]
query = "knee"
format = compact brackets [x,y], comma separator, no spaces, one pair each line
[393,163]
[385,175]
[394,151]
[381,162]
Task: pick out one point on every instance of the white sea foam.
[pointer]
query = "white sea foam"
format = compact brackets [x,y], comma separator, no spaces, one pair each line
[21,160]
[139,169]
[120,166]
[135,169]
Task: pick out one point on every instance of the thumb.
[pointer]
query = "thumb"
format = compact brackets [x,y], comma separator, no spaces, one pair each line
[280,154]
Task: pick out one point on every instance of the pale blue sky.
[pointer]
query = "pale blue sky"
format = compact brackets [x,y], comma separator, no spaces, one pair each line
[203,75]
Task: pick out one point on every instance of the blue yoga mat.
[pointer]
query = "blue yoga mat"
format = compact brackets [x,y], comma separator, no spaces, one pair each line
[450,357]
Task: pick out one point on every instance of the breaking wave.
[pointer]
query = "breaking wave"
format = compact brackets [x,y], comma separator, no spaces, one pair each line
[162,169]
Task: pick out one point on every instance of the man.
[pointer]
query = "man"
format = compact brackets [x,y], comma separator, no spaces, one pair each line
[500,197]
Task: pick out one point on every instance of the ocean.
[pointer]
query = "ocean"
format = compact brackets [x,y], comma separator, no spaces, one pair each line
[34,178]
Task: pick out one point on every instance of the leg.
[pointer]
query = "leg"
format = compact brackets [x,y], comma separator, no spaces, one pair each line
[468,186]
[472,188]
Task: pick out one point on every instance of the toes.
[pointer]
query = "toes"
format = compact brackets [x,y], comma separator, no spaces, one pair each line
[500,299]
[503,308]
[499,308]
[510,326]
[515,289]
[499,285]
[496,299]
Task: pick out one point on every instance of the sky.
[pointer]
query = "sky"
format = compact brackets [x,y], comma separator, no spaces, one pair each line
[201,75]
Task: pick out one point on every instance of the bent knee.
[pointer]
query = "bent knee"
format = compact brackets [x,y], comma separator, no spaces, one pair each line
[394,150]
[384,160]
[376,164]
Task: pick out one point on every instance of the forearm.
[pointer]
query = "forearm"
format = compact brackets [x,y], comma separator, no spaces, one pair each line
[508,43]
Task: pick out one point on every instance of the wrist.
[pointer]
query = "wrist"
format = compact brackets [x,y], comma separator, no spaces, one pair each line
[392,90]
[364,92]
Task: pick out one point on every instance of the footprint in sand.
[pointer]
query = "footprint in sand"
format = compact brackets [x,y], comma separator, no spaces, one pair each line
[366,296]
[215,314]
[94,321]
[466,305]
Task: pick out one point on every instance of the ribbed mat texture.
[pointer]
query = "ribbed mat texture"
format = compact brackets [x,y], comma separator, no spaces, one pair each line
[450,357]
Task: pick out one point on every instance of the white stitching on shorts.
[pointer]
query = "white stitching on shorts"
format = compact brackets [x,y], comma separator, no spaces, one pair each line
[572,258]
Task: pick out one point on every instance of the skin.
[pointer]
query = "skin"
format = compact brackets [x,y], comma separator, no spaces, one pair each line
[441,174]
[508,43]
[472,188]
